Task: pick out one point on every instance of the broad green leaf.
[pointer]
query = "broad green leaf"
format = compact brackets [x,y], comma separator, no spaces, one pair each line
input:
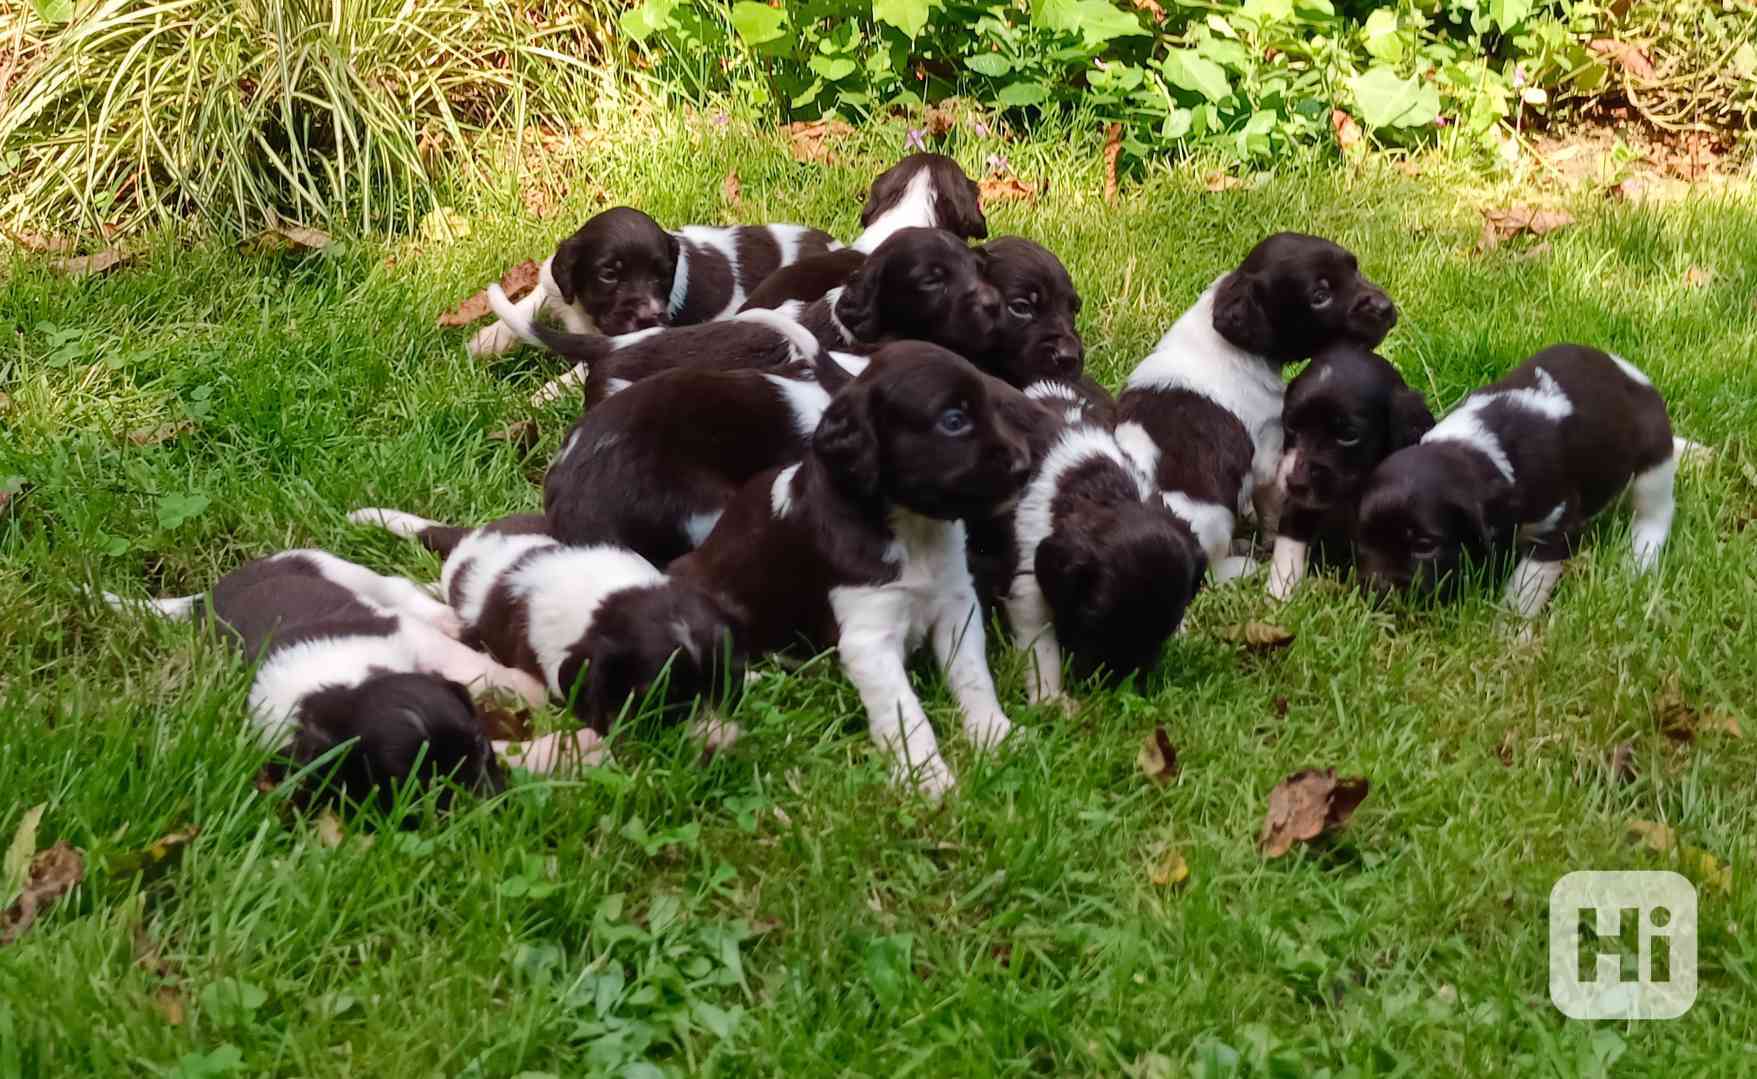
[1510,13]
[1177,124]
[20,853]
[909,16]
[648,19]
[1019,94]
[177,510]
[1189,70]
[890,967]
[1228,54]
[1380,36]
[53,12]
[808,95]
[1745,61]
[833,69]
[1096,21]
[992,64]
[717,1020]
[1267,12]
[1385,100]
[1322,9]
[757,23]
[1220,26]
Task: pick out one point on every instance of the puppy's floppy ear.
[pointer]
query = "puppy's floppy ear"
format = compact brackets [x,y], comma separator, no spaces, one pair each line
[857,308]
[846,441]
[1066,566]
[565,266]
[1470,526]
[1409,418]
[959,210]
[1240,314]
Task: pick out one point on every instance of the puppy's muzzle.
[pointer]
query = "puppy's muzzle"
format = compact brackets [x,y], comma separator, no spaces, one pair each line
[1373,313]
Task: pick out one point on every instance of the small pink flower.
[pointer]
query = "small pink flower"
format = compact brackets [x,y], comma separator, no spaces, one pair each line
[1444,121]
[917,140]
[1518,76]
[980,128]
[998,164]
[721,119]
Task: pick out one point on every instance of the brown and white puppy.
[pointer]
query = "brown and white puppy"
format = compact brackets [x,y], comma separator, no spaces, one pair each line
[621,272]
[1521,467]
[1347,411]
[920,191]
[861,545]
[597,625]
[1202,413]
[348,655]
[921,284]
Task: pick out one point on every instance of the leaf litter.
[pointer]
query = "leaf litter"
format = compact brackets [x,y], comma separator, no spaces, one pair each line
[1158,757]
[515,282]
[1307,804]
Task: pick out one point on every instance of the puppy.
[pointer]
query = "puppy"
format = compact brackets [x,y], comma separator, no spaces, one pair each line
[1522,465]
[1034,339]
[652,467]
[921,284]
[1347,411]
[1092,563]
[621,272]
[1202,413]
[595,625]
[346,654]
[920,191]
[861,544]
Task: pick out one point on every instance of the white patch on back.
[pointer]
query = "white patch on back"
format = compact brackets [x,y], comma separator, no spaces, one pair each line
[698,525]
[1465,425]
[806,400]
[781,493]
[290,674]
[1139,445]
[489,555]
[562,590]
[623,340]
[915,208]
[722,242]
[679,279]
[1631,370]
[1034,519]
[851,362]
[1210,521]
[1192,356]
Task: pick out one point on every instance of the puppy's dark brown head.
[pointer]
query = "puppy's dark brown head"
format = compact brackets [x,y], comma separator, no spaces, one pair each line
[408,728]
[957,201]
[1118,582]
[1035,338]
[924,430]
[674,638]
[925,285]
[1425,518]
[1294,295]
[619,267]
[1346,412]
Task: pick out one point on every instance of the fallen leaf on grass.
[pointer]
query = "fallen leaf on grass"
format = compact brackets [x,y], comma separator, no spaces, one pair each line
[1622,762]
[940,119]
[444,224]
[169,1003]
[1698,863]
[1348,134]
[1625,55]
[282,236]
[1697,277]
[164,432]
[808,139]
[155,857]
[1498,225]
[40,244]
[731,190]
[1681,721]
[1006,189]
[514,282]
[1171,869]
[329,830]
[85,265]
[1151,7]
[1113,148]
[1307,804]
[1280,706]
[1258,636]
[52,874]
[1158,757]
[523,435]
[1219,181]
[502,723]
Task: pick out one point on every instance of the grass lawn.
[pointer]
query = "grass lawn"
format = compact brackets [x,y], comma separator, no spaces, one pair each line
[784,910]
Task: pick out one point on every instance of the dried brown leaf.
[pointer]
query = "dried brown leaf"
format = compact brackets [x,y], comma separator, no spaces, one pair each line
[1006,189]
[1152,8]
[84,265]
[1697,277]
[164,432]
[1158,757]
[329,830]
[1622,762]
[52,874]
[153,858]
[504,723]
[1219,181]
[940,119]
[514,282]
[1348,133]
[1280,708]
[1625,55]
[808,140]
[1698,863]
[169,1003]
[1672,714]
[523,435]
[1655,835]
[1258,636]
[1113,148]
[1504,224]
[731,189]
[1307,804]
[1171,869]
[40,244]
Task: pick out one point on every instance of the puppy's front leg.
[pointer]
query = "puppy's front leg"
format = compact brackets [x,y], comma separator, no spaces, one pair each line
[444,656]
[958,642]
[1533,581]
[557,388]
[872,645]
[1287,568]
[1028,615]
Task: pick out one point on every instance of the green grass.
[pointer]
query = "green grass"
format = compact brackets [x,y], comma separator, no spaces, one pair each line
[784,910]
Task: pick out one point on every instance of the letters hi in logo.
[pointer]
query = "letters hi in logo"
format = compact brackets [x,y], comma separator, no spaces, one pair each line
[1664,907]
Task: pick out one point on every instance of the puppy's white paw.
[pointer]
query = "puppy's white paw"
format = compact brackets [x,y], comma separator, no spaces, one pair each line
[395,522]
[715,734]
[548,754]
[932,778]
[988,729]
[1233,567]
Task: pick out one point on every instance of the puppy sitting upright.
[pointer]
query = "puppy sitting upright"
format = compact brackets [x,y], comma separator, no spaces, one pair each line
[1523,464]
[348,654]
[1202,413]
[861,544]
[621,273]
[1347,411]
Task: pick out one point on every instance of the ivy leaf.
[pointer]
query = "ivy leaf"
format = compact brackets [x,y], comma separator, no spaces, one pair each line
[648,19]
[1189,70]
[1019,94]
[757,23]
[1096,21]
[909,16]
[53,12]
[177,510]
[1380,36]
[992,64]
[1386,100]
[832,68]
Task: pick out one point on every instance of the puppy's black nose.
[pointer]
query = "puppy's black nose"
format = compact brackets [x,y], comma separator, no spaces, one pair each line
[1377,306]
[1067,357]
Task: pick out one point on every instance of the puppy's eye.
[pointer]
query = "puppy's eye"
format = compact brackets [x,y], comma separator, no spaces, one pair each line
[610,274]
[1022,308]
[953,421]
[934,276]
[1349,442]
[1424,547]
[1321,295]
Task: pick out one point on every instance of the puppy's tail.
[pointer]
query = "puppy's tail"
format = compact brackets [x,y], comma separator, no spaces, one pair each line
[832,368]
[584,348]
[176,608]
[433,535]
